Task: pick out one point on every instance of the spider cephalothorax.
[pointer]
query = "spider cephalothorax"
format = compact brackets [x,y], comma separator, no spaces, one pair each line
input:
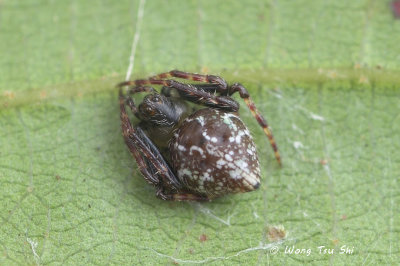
[190,154]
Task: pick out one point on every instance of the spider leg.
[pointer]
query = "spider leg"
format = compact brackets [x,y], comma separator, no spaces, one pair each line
[168,178]
[152,165]
[195,77]
[207,87]
[131,105]
[244,94]
[191,93]
[180,196]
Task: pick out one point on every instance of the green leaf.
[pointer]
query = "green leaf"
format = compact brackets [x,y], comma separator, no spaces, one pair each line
[325,74]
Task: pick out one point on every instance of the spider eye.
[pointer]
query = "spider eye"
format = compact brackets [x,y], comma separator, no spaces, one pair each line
[156,99]
[146,110]
[149,109]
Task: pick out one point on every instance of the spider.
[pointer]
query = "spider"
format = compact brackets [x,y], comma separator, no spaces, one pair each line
[191,154]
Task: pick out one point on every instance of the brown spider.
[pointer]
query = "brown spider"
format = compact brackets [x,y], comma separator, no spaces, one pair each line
[192,155]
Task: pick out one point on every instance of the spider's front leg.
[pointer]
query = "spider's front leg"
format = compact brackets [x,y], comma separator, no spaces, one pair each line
[211,79]
[191,93]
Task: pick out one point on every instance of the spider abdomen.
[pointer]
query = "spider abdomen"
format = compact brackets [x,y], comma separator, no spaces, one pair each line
[213,154]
